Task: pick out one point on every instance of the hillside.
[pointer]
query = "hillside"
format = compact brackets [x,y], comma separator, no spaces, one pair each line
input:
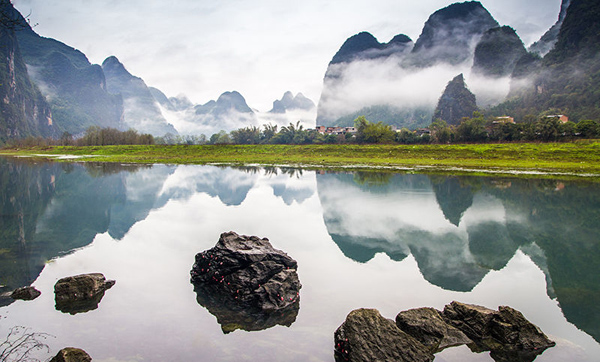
[24,111]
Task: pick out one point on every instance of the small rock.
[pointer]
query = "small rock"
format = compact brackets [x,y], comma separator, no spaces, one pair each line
[71,354]
[25,293]
[80,293]
[367,336]
[428,327]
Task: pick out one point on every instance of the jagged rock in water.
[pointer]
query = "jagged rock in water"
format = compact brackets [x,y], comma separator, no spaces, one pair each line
[246,283]
[80,293]
[506,332]
[367,336]
[70,354]
[25,293]
[456,102]
[429,328]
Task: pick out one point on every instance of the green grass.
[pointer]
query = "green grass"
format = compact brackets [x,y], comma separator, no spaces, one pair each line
[580,158]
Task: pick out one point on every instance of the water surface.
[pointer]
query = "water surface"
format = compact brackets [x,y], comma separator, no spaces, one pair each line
[385,241]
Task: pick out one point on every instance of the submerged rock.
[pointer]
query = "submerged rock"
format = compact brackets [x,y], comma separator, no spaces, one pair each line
[80,293]
[71,354]
[25,293]
[246,283]
[367,336]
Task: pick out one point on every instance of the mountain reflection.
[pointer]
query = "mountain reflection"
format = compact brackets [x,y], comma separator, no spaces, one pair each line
[49,209]
[460,228]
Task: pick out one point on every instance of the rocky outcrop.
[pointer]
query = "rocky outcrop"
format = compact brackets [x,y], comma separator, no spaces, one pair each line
[456,102]
[429,328]
[419,333]
[506,332]
[289,102]
[80,293]
[25,293]
[367,336]
[71,354]
[246,283]
[497,52]
[141,110]
[449,34]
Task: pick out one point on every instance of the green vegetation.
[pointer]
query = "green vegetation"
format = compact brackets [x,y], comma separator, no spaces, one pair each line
[578,157]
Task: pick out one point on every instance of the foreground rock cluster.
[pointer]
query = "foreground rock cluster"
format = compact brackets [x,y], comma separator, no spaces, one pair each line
[246,283]
[419,333]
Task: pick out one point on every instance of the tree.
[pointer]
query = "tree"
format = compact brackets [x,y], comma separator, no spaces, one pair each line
[472,129]
[219,138]
[440,131]
[270,130]
[367,132]
[587,128]
[246,136]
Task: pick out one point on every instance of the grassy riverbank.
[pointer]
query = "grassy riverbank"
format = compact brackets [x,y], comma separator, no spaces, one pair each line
[577,158]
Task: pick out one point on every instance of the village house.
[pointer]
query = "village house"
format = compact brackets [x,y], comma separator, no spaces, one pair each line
[335,130]
[561,117]
[503,120]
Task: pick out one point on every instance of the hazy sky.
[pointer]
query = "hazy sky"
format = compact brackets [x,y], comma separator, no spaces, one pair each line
[260,48]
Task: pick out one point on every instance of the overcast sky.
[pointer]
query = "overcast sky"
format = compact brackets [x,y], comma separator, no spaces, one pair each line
[260,48]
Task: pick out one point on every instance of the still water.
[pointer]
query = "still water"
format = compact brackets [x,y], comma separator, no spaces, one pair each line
[385,241]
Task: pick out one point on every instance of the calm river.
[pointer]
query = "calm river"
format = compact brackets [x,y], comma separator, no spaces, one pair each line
[385,241]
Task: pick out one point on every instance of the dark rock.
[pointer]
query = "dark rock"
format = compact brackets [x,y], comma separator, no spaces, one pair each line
[80,293]
[367,336]
[449,33]
[71,354]
[473,320]
[506,332]
[26,293]
[246,283]
[497,52]
[429,328]
[456,102]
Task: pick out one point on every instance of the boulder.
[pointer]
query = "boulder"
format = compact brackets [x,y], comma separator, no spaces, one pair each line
[25,293]
[367,336]
[506,333]
[421,332]
[246,283]
[71,354]
[429,328]
[80,293]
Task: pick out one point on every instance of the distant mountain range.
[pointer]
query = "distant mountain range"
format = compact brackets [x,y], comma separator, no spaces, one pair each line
[49,88]
[400,82]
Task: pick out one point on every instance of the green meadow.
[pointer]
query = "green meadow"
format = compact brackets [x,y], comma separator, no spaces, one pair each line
[575,158]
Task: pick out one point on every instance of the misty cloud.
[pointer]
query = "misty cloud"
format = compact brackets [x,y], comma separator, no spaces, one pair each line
[260,48]
[361,84]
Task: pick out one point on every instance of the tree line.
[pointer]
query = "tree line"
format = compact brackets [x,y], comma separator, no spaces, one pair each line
[476,129]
